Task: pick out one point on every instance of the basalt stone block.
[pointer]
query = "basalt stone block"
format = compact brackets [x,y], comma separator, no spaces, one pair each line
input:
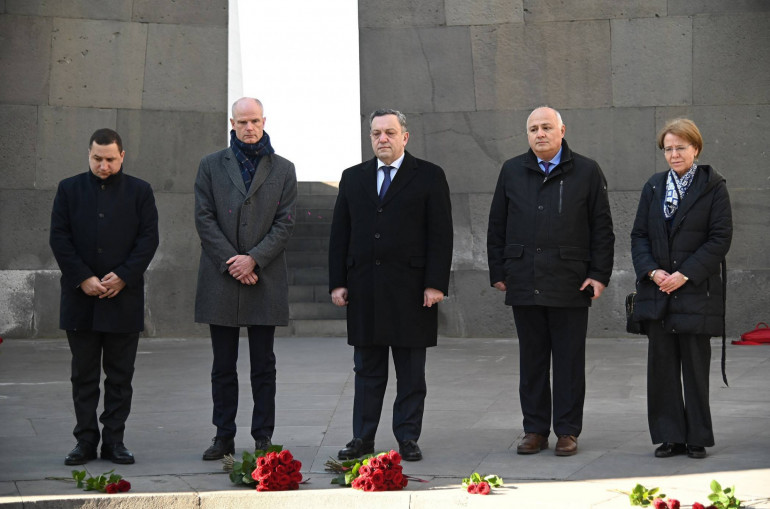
[462,256]
[62,136]
[97,63]
[165,147]
[437,75]
[747,300]
[88,9]
[18,140]
[180,245]
[607,314]
[567,10]
[186,68]
[475,308]
[26,220]
[694,7]
[185,12]
[623,205]
[740,155]
[479,204]
[750,249]
[509,70]
[170,304]
[401,13]
[729,59]
[652,61]
[47,301]
[483,12]
[25,53]
[16,303]
[621,140]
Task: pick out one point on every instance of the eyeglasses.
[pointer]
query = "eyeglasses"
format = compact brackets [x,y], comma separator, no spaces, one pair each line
[670,150]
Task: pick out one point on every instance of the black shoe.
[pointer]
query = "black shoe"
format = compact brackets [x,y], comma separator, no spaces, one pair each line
[81,454]
[696,451]
[219,448]
[262,444]
[118,453]
[668,449]
[409,450]
[356,448]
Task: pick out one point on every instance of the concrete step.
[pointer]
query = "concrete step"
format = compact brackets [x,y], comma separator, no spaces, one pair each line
[313,230]
[307,258]
[317,188]
[309,293]
[316,201]
[306,215]
[308,276]
[315,311]
[312,244]
[313,328]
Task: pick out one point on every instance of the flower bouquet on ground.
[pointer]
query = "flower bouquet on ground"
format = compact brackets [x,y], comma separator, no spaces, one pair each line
[477,484]
[720,498]
[373,472]
[271,470]
[108,482]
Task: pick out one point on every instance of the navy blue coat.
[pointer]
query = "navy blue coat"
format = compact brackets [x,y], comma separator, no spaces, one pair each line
[97,227]
[699,239]
[387,253]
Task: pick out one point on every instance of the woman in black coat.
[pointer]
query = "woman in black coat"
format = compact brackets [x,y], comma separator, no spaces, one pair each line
[681,234]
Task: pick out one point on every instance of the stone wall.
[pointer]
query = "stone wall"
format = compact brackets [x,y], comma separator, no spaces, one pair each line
[154,71]
[468,72]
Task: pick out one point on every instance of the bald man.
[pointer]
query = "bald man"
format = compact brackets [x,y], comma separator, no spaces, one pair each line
[550,246]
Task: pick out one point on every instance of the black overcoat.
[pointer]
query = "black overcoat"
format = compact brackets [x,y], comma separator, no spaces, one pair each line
[699,240]
[547,234]
[97,227]
[386,253]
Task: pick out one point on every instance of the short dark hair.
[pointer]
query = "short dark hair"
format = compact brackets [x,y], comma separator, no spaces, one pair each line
[106,136]
[386,111]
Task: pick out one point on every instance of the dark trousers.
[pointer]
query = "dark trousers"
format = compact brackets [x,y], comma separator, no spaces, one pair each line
[371,368]
[546,333]
[224,379]
[116,353]
[675,415]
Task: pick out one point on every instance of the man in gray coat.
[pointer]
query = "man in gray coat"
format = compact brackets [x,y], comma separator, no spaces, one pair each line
[244,213]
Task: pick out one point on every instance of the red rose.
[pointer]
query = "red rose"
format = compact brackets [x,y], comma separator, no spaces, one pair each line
[398,468]
[697,505]
[394,457]
[285,457]
[111,488]
[296,465]
[659,503]
[374,462]
[262,487]
[483,488]
[123,486]
[473,488]
[364,470]
[262,461]
[673,503]
[378,477]
[404,481]
[296,476]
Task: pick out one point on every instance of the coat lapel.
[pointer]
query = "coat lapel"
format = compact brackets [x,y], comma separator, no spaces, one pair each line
[405,173]
[263,171]
[233,170]
[368,180]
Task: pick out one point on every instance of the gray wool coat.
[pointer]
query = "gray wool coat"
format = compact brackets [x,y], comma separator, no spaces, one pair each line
[231,220]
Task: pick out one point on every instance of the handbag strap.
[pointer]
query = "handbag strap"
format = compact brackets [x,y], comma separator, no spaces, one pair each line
[724,320]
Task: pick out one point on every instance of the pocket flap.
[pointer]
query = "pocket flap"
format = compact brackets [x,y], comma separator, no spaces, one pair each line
[513,251]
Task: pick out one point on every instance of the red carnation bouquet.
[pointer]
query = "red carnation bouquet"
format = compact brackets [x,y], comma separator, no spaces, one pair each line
[277,471]
[373,472]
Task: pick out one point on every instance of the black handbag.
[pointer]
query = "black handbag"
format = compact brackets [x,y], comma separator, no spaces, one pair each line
[632,326]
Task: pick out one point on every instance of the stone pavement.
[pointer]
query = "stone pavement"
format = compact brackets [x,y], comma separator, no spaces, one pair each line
[472,423]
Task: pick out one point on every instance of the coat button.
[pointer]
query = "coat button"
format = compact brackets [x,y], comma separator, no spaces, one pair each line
[539,250]
[539,207]
[101,215]
[376,235]
[377,262]
[674,262]
[104,187]
[98,250]
[379,209]
[537,292]
[246,202]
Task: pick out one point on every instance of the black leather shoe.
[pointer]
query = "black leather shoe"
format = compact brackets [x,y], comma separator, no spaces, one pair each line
[696,451]
[219,448]
[117,453]
[262,443]
[668,449]
[81,454]
[356,448]
[409,450]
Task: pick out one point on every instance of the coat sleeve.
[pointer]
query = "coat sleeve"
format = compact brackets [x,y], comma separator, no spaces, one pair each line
[132,269]
[440,235]
[498,216]
[602,237]
[73,268]
[213,241]
[339,239]
[706,259]
[641,247]
[280,231]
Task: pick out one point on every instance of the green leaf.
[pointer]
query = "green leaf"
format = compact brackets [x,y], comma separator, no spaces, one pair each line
[715,486]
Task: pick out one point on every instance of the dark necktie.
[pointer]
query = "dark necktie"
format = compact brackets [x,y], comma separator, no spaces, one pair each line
[386,181]
[546,165]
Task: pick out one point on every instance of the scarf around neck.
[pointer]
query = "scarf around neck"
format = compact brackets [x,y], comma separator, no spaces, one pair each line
[249,154]
[676,188]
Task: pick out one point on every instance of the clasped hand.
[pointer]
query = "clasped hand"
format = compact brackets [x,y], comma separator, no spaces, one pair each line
[108,286]
[241,267]
[668,282]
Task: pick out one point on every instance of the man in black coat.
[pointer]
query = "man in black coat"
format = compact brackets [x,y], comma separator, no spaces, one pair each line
[550,246]
[104,233]
[389,259]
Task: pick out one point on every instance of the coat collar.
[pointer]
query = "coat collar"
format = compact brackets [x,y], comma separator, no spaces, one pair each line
[405,173]
[233,170]
[564,165]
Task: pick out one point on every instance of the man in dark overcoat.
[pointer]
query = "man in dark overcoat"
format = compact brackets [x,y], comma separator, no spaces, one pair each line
[104,233]
[244,213]
[550,246]
[390,255]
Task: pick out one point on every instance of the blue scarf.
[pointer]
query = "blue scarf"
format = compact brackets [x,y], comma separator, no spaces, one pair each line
[249,155]
[676,188]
